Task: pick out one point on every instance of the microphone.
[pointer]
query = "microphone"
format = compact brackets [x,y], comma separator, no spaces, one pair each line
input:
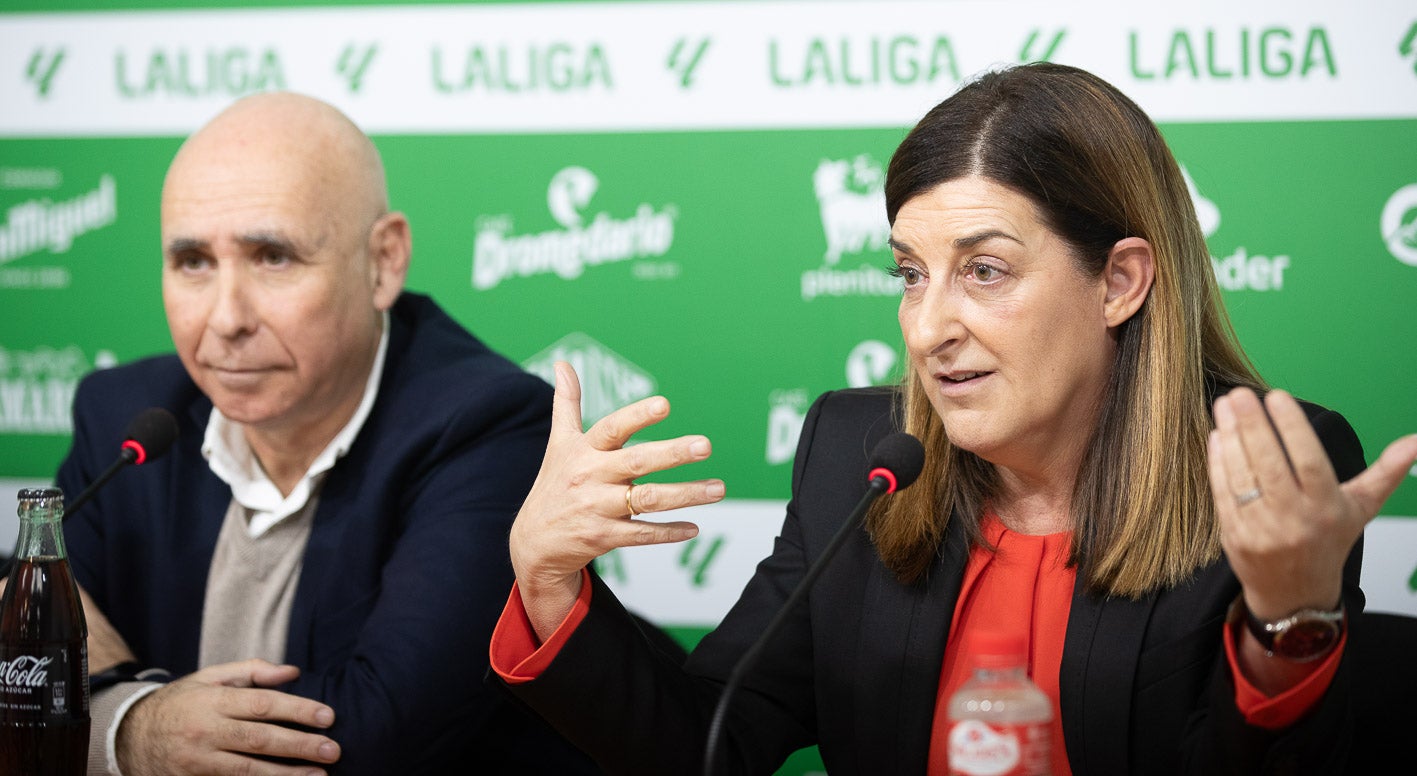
[149,435]
[894,464]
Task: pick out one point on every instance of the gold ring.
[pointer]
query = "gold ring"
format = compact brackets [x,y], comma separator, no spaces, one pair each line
[630,505]
[1246,497]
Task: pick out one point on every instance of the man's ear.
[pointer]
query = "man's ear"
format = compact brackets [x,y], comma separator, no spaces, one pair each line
[390,248]
[1129,274]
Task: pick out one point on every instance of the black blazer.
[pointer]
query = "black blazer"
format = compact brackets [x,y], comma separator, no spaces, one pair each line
[1145,687]
[406,567]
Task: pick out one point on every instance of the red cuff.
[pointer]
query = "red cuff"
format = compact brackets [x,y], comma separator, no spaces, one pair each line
[1286,708]
[514,652]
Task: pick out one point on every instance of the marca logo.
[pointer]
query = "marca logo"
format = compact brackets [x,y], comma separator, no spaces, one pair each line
[580,242]
[41,224]
[37,388]
[1399,226]
[871,362]
[608,380]
[853,212]
[1239,271]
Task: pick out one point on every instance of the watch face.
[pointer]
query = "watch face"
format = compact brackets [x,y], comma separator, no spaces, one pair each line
[1306,639]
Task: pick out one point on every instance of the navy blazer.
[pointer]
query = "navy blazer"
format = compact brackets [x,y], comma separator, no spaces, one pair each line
[1145,686]
[406,568]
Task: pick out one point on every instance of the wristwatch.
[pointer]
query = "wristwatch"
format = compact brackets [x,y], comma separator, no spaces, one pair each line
[1301,636]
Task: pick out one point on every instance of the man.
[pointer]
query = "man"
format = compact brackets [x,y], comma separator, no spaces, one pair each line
[322,555]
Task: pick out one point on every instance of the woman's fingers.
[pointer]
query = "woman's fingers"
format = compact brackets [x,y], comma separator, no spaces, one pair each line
[1374,484]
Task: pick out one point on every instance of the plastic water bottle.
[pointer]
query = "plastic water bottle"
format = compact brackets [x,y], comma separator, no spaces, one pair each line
[1000,723]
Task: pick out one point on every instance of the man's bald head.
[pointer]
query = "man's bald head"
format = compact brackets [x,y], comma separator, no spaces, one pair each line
[280,258]
[301,135]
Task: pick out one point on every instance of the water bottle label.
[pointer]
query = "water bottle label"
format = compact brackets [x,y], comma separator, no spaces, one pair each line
[981,749]
[36,682]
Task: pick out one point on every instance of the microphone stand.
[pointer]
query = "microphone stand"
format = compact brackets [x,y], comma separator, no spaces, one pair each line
[877,487]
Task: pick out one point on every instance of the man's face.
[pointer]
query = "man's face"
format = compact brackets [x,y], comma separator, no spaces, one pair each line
[268,287]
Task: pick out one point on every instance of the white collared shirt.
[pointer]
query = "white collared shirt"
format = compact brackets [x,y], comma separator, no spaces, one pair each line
[230,457]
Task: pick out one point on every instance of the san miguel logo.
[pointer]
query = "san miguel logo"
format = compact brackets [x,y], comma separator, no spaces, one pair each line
[608,380]
[852,206]
[40,224]
[582,241]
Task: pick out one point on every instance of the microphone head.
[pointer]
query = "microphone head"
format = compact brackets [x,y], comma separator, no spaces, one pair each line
[150,434]
[899,458]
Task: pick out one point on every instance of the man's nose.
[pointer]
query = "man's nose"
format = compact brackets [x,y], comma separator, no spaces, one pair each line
[233,310]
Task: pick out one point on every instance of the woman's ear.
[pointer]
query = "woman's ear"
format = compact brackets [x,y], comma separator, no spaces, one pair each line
[1129,274]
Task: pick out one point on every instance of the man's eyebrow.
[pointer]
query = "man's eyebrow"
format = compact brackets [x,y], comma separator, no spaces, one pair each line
[186,245]
[272,240]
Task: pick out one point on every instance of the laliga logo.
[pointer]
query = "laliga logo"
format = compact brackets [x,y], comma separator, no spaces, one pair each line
[1399,227]
[580,242]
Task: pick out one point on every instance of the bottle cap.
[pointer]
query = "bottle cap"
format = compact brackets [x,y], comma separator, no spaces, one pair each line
[39,494]
[999,649]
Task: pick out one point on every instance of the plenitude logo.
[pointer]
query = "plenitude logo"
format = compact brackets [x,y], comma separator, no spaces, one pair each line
[608,380]
[581,242]
[852,206]
[1239,271]
[1399,226]
[37,387]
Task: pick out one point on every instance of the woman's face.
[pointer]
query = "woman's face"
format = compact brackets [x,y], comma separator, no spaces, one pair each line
[1005,334]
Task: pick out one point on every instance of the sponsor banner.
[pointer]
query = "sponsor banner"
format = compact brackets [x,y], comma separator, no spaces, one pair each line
[685,65]
[1389,576]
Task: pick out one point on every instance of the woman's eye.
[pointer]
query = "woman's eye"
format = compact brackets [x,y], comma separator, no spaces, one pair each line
[909,274]
[982,272]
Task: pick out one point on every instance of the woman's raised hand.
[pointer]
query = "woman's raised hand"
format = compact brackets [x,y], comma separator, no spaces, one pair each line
[585,502]
[1287,524]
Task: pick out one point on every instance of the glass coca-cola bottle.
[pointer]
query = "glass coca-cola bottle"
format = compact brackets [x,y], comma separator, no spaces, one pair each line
[44,664]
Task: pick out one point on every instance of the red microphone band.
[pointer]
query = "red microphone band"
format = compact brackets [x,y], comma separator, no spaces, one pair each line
[143,455]
[882,471]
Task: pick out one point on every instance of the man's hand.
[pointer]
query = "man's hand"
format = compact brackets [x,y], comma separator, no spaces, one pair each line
[217,719]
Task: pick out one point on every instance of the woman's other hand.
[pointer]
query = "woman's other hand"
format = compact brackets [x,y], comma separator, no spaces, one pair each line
[1287,524]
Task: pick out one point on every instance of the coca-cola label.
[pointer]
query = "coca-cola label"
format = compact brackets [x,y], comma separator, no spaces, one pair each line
[980,749]
[36,681]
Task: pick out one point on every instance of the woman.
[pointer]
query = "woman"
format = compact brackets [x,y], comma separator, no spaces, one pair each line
[1069,360]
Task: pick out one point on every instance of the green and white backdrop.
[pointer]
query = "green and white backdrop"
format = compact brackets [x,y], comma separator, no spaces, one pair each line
[685,198]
